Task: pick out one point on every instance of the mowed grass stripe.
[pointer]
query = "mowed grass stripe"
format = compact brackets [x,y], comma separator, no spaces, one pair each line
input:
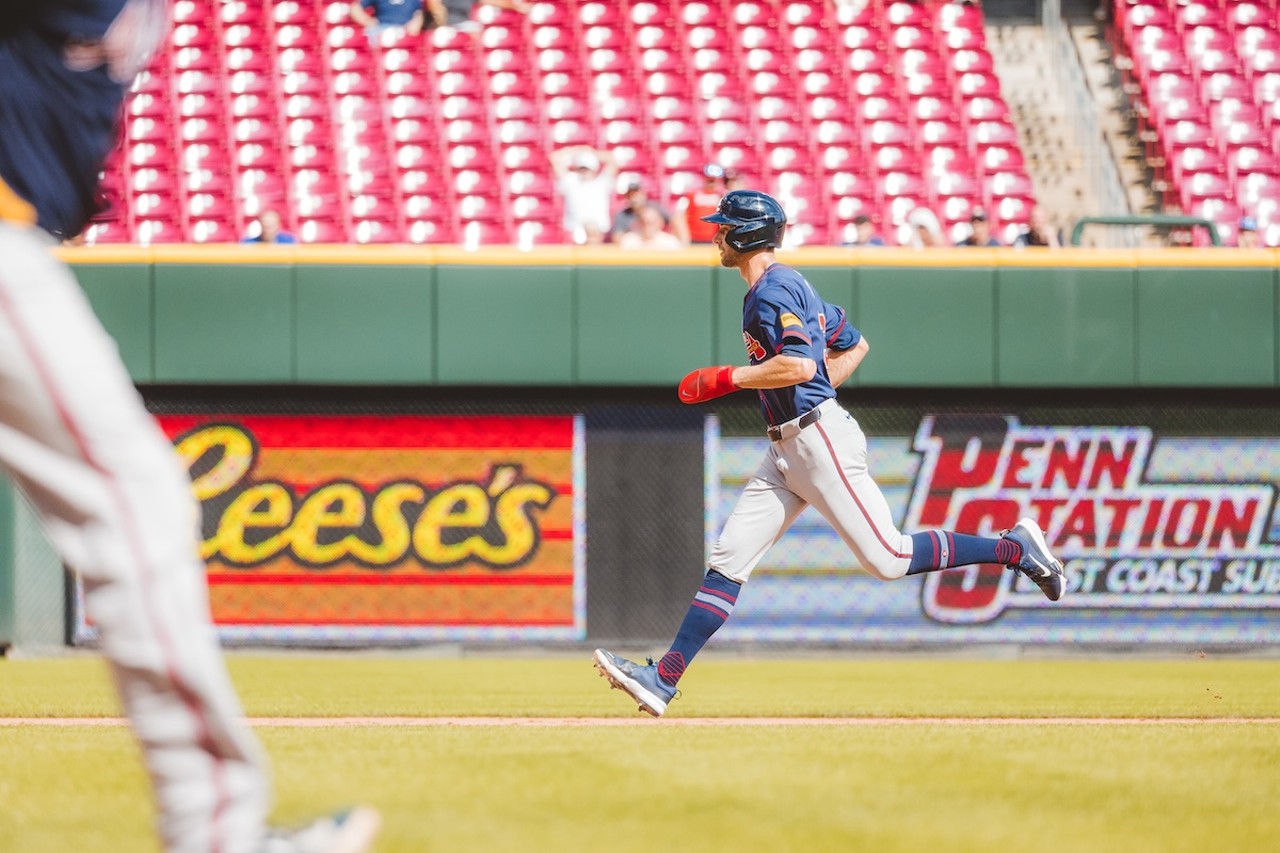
[678,722]
[367,685]
[1169,787]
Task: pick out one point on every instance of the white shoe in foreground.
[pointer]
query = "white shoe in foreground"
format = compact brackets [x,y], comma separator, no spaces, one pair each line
[348,831]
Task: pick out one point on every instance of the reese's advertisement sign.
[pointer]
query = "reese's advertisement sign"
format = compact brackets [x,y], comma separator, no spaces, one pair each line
[386,526]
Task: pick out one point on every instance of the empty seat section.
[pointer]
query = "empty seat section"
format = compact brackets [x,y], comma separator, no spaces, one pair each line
[842,110]
[1208,74]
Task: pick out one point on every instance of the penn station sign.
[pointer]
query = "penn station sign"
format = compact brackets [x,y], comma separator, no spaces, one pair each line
[1167,537]
[1127,541]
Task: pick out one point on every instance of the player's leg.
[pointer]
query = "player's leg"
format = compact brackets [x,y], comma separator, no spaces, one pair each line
[764,511]
[842,489]
[118,507]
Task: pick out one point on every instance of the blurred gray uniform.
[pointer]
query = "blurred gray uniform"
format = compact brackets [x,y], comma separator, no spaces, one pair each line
[74,434]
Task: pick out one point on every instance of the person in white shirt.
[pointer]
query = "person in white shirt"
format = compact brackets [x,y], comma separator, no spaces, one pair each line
[585,179]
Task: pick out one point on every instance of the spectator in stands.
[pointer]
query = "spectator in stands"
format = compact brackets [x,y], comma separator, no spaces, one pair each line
[1247,238]
[585,178]
[387,15]
[733,180]
[692,206]
[457,13]
[651,233]
[628,218]
[1038,233]
[269,230]
[865,233]
[926,230]
[979,230]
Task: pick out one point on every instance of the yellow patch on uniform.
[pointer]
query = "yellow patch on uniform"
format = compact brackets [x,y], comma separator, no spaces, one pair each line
[789,319]
[14,208]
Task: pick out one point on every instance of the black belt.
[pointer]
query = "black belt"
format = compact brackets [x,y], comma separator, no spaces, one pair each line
[808,418]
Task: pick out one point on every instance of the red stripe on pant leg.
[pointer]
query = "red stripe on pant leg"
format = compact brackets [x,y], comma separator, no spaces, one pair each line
[853,494]
[27,341]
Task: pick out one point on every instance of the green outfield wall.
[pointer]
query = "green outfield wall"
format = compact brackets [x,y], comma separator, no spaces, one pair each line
[443,316]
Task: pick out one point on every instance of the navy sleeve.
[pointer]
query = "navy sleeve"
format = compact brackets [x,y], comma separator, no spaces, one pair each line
[784,327]
[841,335]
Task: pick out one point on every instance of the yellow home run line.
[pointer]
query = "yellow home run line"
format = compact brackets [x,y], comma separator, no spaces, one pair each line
[581,722]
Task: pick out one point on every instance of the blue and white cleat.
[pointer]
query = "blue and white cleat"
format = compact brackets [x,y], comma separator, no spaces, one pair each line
[640,682]
[1036,562]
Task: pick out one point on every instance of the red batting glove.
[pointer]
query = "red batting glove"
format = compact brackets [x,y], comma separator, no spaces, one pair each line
[707,383]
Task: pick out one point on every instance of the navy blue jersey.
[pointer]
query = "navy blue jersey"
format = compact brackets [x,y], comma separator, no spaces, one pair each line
[64,66]
[394,13]
[782,313]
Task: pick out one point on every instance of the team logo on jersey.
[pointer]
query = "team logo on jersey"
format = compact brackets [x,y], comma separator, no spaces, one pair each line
[1126,541]
[755,351]
[788,320]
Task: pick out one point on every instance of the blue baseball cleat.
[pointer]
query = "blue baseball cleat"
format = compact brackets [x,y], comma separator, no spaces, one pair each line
[639,682]
[1036,562]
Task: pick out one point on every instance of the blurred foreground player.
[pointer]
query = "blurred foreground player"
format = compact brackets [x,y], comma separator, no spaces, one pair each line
[74,435]
[801,349]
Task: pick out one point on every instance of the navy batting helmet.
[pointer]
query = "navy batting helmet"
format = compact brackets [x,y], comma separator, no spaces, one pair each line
[756,220]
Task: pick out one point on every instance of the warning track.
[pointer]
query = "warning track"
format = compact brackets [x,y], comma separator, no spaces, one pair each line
[641,720]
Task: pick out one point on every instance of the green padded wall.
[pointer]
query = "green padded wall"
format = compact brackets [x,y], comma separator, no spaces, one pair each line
[224,323]
[1206,326]
[927,326]
[1066,327]
[426,316]
[505,325]
[7,596]
[728,290]
[642,325]
[366,324]
[121,297]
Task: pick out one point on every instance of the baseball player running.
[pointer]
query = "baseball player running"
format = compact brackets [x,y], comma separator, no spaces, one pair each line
[801,349]
[103,478]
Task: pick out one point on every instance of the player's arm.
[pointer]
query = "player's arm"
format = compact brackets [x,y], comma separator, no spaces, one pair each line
[786,336]
[360,16]
[846,347]
[781,371]
[842,363]
[791,364]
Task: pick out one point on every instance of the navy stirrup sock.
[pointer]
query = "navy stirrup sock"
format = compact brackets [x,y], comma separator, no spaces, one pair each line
[941,549]
[710,608]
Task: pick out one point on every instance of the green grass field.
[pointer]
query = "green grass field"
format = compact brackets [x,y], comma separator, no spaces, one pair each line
[947,785]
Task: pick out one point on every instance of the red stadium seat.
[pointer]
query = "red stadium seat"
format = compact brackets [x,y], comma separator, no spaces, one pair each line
[288,104]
